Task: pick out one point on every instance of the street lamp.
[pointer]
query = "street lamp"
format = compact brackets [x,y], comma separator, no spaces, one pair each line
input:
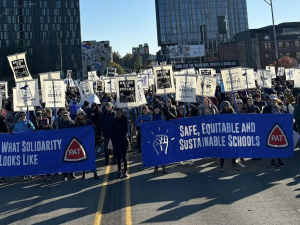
[269,2]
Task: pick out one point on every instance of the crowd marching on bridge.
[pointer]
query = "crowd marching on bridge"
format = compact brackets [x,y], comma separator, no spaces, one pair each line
[111,123]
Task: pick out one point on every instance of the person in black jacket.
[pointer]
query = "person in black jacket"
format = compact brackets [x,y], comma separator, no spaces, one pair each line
[3,129]
[258,102]
[170,110]
[119,140]
[106,121]
[273,108]
[250,107]
[228,110]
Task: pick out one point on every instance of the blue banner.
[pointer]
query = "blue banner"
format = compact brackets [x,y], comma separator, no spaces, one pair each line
[217,136]
[47,152]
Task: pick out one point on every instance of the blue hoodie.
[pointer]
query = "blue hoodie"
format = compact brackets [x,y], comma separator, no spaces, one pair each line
[145,118]
[21,126]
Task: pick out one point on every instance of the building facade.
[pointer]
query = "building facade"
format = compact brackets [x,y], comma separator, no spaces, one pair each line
[48,31]
[196,22]
[143,51]
[96,56]
[255,48]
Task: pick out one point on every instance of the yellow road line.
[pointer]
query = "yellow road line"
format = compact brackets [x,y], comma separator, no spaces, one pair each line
[98,215]
[128,220]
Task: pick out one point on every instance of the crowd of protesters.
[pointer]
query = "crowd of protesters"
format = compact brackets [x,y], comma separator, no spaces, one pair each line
[111,124]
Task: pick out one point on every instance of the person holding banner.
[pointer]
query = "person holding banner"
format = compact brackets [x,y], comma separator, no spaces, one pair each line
[228,110]
[286,106]
[23,125]
[106,121]
[157,116]
[142,118]
[273,108]
[208,108]
[170,111]
[38,120]
[11,118]
[250,107]
[180,113]
[119,140]
[258,102]
[80,121]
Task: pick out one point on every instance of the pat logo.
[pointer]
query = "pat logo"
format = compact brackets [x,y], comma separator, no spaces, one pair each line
[277,138]
[75,152]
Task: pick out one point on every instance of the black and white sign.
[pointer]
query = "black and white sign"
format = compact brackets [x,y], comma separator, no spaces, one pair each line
[206,86]
[233,79]
[272,71]
[19,109]
[85,89]
[264,79]
[249,78]
[48,76]
[19,67]
[3,89]
[99,86]
[280,71]
[55,94]
[127,92]
[164,80]
[141,94]
[297,78]
[92,75]
[111,72]
[206,72]
[27,93]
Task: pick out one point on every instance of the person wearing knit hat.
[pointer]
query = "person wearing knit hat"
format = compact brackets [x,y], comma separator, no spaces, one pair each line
[80,111]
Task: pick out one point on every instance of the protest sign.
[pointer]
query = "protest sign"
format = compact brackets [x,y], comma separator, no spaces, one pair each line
[99,86]
[27,93]
[48,76]
[264,79]
[280,71]
[187,71]
[3,89]
[297,78]
[289,73]
[218,136]
[93,98]
[186,88]
[47,152]
[272,71]
[19,67]
[206,72]
[110,85]
[127,92]
[144,79]
[164,81]
[141,94]
[206,86]
[69,74]
[55,95]
[233,79]
[85,89]
[92,75]
[111,72]
[249,79]
[20,109]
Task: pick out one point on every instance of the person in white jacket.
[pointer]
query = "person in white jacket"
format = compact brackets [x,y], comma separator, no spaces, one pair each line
[287,107]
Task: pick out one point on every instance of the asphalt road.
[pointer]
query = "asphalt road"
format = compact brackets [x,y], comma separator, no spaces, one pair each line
[188,194]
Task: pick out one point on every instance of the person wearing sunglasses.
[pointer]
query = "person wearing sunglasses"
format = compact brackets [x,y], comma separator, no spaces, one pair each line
[81,121]
[23,125]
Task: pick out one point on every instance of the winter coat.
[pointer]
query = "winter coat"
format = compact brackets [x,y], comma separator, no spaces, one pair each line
[119,134]
[22,126]
[3,126]
[253,109]
[260,104]
[106,121]
[11,120]
[170,113]
[94,116]
[230,111]
[290,98]
[65,124]
[288,109]
[157,117]
[268,110]
[297,116]
[145,118]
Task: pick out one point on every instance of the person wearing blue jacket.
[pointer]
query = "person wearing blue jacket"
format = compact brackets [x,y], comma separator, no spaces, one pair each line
[106,121]
[157,116]
[142,118]
[23,125]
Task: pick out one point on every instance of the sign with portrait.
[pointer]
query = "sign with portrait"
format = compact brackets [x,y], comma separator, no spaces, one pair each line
[19,67]
[127,92]
[3,89]
[111,72]
[164,81]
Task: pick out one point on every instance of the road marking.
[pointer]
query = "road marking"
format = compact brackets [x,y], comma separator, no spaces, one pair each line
[128,198]
[241,164]
[98,215]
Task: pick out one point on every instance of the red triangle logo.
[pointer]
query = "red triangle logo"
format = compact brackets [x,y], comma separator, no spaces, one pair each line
[75,152]
[277,138]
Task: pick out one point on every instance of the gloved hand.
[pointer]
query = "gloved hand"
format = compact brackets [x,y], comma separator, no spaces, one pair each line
[28,125]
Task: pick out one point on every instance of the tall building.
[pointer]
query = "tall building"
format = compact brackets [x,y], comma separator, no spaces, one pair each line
[143,51]
[195,22]
[46,30]
[96,56]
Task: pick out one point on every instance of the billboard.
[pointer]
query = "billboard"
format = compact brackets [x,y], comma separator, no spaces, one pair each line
[186,51]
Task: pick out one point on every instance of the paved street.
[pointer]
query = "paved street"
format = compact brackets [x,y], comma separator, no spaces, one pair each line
[189,194]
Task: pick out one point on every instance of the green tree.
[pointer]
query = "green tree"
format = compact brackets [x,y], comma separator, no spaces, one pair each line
[149,62]
[138,64]
[117,57]
[118,66]
[127,61]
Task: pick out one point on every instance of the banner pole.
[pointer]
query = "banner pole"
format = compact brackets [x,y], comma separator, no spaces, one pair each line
[247,82]
[128,126]
[202,106]
[27,113]
[184,109]
[233,95]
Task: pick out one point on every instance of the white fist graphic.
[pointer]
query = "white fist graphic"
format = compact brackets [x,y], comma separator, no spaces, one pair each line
[161,144]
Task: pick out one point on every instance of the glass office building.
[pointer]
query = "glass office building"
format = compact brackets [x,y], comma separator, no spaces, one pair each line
[192,22]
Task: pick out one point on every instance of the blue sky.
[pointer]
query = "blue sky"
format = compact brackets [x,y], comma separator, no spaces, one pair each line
[128,23]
